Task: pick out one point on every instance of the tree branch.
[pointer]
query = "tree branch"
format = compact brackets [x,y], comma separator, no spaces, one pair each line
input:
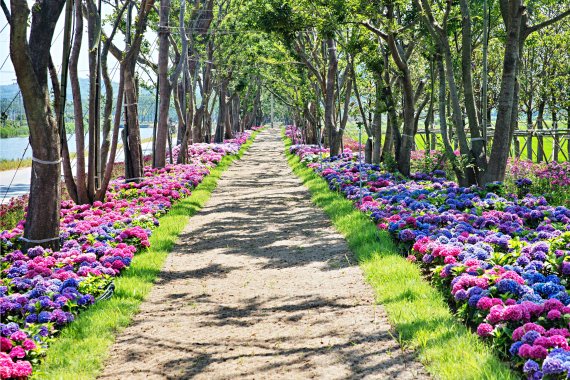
[375,30]
[546,23]
[118,54]
[308,63]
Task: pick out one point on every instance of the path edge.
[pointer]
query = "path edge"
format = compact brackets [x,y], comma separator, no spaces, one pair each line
[83,347]
[446,347]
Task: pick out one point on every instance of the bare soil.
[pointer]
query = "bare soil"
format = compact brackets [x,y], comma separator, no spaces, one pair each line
[260,286]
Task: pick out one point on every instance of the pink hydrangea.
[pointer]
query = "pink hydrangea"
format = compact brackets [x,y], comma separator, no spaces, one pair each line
[484,330]
[17,352]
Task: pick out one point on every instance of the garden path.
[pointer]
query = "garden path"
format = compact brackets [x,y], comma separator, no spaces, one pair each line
[260,285]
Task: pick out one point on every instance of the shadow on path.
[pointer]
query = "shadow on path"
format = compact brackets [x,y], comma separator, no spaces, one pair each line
[260,286]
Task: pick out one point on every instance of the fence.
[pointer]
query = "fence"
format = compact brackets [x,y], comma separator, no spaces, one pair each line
[535,144]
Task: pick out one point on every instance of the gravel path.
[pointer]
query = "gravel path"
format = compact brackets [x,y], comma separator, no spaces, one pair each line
[260,286]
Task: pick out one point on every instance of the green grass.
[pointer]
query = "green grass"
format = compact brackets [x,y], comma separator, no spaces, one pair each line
[82,347]
[14,164]
[421,317]
[13,129]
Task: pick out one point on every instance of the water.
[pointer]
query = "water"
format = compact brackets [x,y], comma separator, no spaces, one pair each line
[13,148]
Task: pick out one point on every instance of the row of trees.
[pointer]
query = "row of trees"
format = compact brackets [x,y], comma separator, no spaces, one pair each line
[455,63]
[215,89]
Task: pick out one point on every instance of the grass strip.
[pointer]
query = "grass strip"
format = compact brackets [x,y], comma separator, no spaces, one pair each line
[82,347]
[418,311]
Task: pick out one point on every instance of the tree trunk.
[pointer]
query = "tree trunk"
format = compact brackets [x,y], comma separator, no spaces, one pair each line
[556,138]
[529,127]
[392,139]
[477,142]
[235,112]
[197,135]
[331,128]
[30,61]
[100,195]
[59,95]
[134,163]
[182,157]
[540,126]
[81,180]
[501,142]
[107,110]
[164,87]
[219,137]
[443,122]
[310,115]
[179,106]
[94,99]
[228,111]
[409,126]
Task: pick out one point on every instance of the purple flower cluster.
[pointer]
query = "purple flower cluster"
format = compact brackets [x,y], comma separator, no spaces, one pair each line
[503,260]
[42,290]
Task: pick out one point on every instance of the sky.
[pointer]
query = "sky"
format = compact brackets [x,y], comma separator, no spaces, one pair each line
[7,75]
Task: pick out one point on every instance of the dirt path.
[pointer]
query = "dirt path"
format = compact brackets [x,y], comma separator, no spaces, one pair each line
[260,286]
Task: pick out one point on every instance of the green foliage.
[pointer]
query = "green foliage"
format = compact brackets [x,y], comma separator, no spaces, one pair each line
[13,129]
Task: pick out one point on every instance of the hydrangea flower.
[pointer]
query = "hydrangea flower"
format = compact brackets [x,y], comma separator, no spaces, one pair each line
[503,259]
[99,242]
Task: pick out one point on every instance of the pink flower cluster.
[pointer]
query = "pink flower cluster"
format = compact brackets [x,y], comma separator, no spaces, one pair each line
[9,369]
[42,290]
[557,173]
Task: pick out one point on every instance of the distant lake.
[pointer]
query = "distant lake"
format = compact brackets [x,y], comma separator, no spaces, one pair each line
[13,148]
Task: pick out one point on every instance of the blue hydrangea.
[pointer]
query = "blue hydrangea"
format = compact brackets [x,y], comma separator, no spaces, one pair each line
[44,317]
[515,349]
[552,366]
[474,299]
[509,286]
[461,295]
[530,366]
[530,337]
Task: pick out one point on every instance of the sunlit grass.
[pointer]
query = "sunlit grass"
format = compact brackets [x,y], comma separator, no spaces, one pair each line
[83,346]
[418,311]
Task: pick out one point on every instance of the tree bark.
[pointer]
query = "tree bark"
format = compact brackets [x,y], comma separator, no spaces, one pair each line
[408,111]
[330,127]
[477,143]
[81,180]
[30,60]
[93,32]
[530,127]
[164,87]
[540,126]
[134,163]
[108,108]
[502,138]
[443,121]
[219,137]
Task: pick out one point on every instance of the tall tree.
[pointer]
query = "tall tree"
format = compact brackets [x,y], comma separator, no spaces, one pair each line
[164,86]
[518,27]
[30,57]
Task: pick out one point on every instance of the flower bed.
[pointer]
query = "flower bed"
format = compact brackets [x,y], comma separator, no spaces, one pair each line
[502,261]
[41,291]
